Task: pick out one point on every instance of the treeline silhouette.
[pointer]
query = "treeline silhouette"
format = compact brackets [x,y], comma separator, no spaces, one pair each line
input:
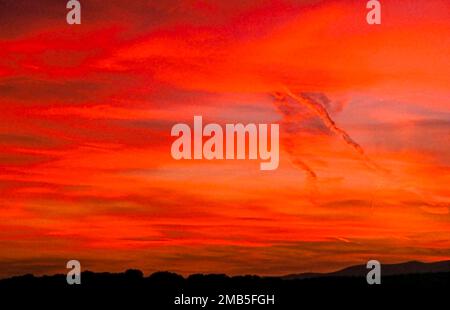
[133,289]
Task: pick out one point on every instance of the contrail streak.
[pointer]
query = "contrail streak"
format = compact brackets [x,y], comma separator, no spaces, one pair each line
[305,167]
[280,100]
[322,113]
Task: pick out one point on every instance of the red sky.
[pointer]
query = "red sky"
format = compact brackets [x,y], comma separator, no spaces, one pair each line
[86,112]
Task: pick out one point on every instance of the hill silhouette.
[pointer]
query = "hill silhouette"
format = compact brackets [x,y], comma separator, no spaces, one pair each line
[412,267]
[407,283]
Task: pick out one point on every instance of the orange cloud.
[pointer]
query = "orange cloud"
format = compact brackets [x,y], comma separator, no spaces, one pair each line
[85,165]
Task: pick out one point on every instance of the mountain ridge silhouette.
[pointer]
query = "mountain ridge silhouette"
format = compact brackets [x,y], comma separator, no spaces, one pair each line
[406,268]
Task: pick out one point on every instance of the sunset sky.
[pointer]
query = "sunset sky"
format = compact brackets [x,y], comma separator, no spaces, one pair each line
[86,113]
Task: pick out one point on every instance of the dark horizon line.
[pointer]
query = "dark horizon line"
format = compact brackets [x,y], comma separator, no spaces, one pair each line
[403,268]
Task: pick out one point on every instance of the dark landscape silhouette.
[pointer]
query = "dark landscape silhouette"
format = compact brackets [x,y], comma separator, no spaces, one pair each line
[406,283]
[412,267]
